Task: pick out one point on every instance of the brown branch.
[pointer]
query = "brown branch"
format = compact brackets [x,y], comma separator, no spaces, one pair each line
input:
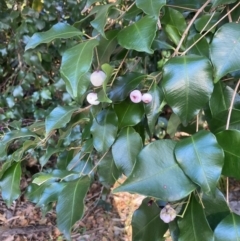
[189,26]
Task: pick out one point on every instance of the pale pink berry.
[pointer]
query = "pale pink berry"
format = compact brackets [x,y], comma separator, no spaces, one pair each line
[97,78]
[168,214]
[136,96]
[147,98]
[92,99]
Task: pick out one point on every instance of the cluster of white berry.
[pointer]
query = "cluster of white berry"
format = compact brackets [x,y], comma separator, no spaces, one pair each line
[168,214]
[98,77]
[136,97]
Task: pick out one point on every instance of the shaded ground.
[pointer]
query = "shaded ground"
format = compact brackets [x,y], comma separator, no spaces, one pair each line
[107,218]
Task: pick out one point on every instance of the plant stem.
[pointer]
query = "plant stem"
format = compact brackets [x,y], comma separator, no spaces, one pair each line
[210,29]
[189,26]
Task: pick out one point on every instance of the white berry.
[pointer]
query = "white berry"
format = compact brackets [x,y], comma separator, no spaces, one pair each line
[136,96]
[168,214]
[92,99]
[147,98]
[97,78]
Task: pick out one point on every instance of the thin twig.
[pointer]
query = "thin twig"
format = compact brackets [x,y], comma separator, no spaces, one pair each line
[119,16]
[210,29]
[190,9]
[119,67]
[227,127]
[229,15]
[98,163]
[189,26]
[207,22]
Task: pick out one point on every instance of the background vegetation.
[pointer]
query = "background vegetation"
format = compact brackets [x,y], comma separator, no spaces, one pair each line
[175,150]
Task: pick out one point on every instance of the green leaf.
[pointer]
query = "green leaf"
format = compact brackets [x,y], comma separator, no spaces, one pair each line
[12,135]
[102,95]
[70,205]
[153,108]
[10,183]
[216,208]
[201,158]
[173,124]
[101,17]
[129,113]
[157,174]
[187,85]
[76,62]
[200,48]
[42,178]
[218,122]
[221,98]
[107,46]
[146,223]
[34,192]
[58,117]
[151,7]
[107,171]
[140,35]
[206,21]
[49,152]
[59,30]
[229,140]
[228,229]
[174,24]
[194,226]
[104,130]
[225,50]
[126,148]
[50,193]
[123,85]
[216,3]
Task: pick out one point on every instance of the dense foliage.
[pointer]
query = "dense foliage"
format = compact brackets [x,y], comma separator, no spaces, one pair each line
[176,147]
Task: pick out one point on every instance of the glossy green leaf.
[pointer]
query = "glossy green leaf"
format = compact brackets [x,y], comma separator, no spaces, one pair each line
[187,85]
[187,3]
[200,48]
[229,140]
[59,30]
[49,152]
[126,148]
[129,113]
[146,223]
[58,117]
[107,46]
[107,171]
[101,17]
[228,229]
[102,95]
[123,85]
[42,178]
[12,135]
[216,208]
[174,24]
[76,62]
[225,50]
[104,130]
[70,205]
[201,158]
[216,3]
[221,98]
[34,192]
[50,193]
[151,7]
[157,174]
[194,226]
[173,124]
[153,108]
[206,21]
[140,35]
[218,122]
[10,183]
